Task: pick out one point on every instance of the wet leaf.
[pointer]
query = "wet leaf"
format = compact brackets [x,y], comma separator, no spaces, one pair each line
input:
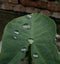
[37,30]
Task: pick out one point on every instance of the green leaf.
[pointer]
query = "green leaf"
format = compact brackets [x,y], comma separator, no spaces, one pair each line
[18,58]
[36,29]
[4,58]
[44,50]
[14,39]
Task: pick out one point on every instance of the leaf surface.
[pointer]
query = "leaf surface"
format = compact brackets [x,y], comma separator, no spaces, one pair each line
[36,29]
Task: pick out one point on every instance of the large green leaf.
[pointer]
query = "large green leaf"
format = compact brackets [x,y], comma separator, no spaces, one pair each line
[36,29]
[18,59]
[14,40]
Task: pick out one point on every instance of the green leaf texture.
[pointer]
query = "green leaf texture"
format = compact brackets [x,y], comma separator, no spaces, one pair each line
[36,29]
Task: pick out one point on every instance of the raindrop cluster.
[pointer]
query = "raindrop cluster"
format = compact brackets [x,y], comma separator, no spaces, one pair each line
[16,32]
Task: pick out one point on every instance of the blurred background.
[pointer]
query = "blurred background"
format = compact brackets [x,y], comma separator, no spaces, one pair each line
[10,9]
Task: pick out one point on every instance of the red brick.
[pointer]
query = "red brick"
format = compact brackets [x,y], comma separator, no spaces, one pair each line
[28,3]
[41,4]
[4,1]
[51,6]
[57,8]
[19,8]
[56,14]
[31,10]
[38,4]
[7,6]
[46,12]
[13,1]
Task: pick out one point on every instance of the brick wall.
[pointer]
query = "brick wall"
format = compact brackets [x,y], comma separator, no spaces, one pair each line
[45,7]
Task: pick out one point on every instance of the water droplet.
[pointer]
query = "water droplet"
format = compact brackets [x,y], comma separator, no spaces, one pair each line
[26,26]
[16,32]
[35,55]
[30,40]
[29,16]
[23,49]
[15,37]
[58,52]
[57,36]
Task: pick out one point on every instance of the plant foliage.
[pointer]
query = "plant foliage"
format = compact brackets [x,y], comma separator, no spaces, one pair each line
[36,30]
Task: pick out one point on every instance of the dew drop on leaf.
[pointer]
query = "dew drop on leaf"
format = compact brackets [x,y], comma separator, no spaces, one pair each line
[15,37]
[29,16]
[58,52]
[30,40]
[23,49]
[35,55]
[57,36]
[16,32]
[26,26]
